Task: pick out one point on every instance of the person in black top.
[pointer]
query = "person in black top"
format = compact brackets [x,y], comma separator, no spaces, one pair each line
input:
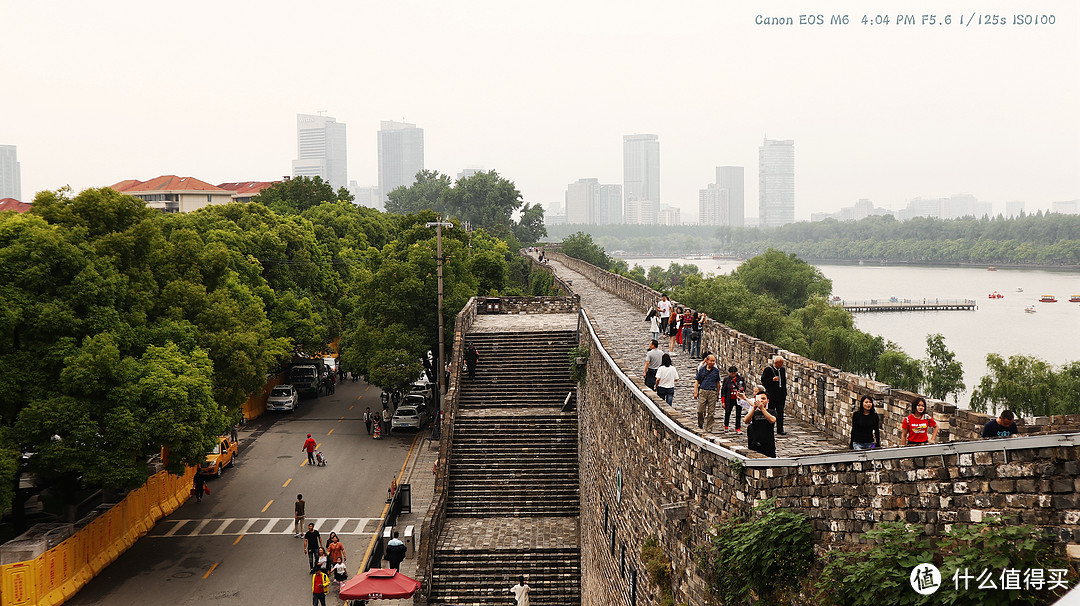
[759,425]
[471,358]
[312,545]
[774,380]
[1002,427]
[865,426]
[732,394]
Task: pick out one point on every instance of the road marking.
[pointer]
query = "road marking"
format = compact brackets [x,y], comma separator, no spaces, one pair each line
[271,501]
[237,539]
[304,462]
[331,431]
[350,408]
[210,571]
[365,389]
[285,485]
[341,419]
[265,526]
[386,508]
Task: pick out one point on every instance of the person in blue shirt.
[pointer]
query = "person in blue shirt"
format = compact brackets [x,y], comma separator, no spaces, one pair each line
[706,392]
[1002,427]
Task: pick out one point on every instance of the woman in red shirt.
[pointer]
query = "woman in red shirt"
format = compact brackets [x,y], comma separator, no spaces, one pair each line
[917,425]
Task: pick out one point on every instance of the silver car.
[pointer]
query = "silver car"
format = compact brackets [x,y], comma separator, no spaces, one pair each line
[411,417]
[283,397]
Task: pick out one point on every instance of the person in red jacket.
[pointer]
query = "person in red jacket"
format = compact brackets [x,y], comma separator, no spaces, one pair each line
[309,446]
[916,426]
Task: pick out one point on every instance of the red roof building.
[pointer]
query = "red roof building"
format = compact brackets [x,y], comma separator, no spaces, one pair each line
[172,194]
[14,205]
[244,191]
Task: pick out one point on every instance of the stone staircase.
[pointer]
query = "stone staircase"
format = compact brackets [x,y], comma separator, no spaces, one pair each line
[513,501]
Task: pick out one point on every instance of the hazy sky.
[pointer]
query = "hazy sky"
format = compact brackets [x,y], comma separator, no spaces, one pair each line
[94,93]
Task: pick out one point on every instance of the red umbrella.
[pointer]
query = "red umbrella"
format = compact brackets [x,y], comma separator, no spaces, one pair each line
[378,584]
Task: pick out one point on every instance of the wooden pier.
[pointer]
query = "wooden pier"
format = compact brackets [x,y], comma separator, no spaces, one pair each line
[908,305]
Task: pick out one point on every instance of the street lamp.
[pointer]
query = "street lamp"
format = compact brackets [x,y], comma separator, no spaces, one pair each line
[440,373]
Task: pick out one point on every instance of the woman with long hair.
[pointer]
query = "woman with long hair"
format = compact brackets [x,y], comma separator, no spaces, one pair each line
[865,426]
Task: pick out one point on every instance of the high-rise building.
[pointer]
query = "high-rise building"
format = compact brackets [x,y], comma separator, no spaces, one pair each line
[668,215]
[10,178]
[401,155]
[721,203]
[611,212]
[709,204]
[583,202]
[321,150]
[776,183]
[641,178]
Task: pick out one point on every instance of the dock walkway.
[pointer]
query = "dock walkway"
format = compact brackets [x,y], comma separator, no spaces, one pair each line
[908,305]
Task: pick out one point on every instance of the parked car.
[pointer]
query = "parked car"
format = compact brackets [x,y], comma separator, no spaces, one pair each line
[409,415]
[283,397]
[220,457]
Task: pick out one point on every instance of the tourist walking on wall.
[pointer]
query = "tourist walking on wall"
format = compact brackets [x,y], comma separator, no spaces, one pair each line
[759,425]
[673,331]
[663,307]
[865,426]
[774,380]
[697,324]
[654,324]
[666,376]
[733,394]
[916,426]
[521,592]
[685,323]
[1004,426]
[706,392]
[653,358]
[472,356]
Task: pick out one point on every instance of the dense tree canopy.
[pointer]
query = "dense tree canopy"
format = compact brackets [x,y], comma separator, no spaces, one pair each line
[1029,386]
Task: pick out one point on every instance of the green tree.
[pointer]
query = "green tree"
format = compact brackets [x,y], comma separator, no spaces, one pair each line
[294,196]
[484,200]
[581,246]
[899,369]
[428,192]
[786,278]
[1028,386]
[530,226]
[944,373]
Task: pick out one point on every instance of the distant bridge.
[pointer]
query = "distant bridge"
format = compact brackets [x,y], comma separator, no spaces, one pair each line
[895,304]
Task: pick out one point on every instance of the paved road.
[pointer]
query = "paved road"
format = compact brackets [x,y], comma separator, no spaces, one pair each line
[236,546]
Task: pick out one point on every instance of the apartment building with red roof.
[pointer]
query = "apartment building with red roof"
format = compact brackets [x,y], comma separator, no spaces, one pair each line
[244,191]
[14,205]
[172,194]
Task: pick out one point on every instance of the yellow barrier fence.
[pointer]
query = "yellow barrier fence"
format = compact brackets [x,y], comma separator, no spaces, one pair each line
[256,402]
[56,575]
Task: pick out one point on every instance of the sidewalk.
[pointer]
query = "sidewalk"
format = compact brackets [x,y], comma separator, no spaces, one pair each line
[418,474]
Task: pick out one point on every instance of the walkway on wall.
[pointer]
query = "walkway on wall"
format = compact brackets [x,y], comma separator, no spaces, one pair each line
[623,326]
[513,501]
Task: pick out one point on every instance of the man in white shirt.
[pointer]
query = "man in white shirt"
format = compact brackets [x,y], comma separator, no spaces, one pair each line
[664,307]
[521,592]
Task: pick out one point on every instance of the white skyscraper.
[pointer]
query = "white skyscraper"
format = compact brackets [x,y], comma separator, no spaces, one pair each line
[776,183]
[611,207]
[401,155]
[641,178]
[721,203]
[10,179]
[321,150]
[583,202]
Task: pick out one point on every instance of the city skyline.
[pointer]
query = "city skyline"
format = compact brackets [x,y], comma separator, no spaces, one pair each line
[322,149]
[401,156]
[945,110]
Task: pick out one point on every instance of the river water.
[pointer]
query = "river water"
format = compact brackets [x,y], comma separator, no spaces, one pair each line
[997,325]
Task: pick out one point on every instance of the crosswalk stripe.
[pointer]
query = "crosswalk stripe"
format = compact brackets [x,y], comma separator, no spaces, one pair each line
[263,526]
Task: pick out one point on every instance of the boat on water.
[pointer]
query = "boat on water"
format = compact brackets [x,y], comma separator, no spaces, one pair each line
[995,295]
[991,268]
[1030,309]
[1074,299]
[1048,299]
[1018,289]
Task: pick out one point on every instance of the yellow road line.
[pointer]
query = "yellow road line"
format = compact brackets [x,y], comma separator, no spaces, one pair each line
[238,539]
[304,462]
[208,572]
[331,431]
[341,419]
[386,508]
[269,504]
[350,408]
[367,388]
[286,484]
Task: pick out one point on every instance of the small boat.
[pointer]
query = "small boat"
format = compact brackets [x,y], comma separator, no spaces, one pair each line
[991,268]
[1030,309]
[1018,289]
[1048,299]
[1074,299]
[996,295]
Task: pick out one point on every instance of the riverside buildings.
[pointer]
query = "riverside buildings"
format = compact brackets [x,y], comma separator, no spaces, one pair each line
[722,203]
[320,150]
[776,183]
[401,156]
[641,179]
[10,177]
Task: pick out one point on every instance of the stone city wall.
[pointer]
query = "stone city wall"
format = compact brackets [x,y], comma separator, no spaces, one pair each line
[561,286]
[642,475]
[539,305]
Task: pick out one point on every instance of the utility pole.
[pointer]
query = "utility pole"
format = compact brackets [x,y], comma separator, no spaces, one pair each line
[441,373]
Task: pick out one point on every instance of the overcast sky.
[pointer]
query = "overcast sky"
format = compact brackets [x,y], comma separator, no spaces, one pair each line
[97,92]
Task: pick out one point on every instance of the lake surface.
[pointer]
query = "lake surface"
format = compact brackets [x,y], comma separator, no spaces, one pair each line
[997,325]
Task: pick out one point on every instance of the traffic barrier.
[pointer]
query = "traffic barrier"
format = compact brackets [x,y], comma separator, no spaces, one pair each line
[58,574]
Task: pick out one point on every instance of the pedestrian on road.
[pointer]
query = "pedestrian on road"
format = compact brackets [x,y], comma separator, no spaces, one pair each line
[521,592]
[653,358]
[323,561]
[200,485]
[320,584]
[472,356]
[335,549]
[298,516]
[367,420]
[309,446]
[386,420]
[774,380]
[666,376]
[395,552]
[312,545]
[706,392]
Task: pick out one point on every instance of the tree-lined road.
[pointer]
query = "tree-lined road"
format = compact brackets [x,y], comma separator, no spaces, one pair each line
[237,544]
